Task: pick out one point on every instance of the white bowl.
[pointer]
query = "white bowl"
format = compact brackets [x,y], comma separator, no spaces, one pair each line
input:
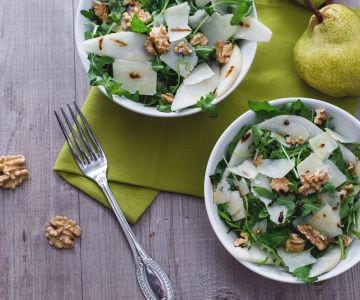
[344,123]
[248,49]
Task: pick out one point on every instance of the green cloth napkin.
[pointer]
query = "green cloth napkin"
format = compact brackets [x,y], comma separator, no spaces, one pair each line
[147,155]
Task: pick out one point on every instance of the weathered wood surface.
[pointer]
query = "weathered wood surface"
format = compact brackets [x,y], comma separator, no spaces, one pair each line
[40,70]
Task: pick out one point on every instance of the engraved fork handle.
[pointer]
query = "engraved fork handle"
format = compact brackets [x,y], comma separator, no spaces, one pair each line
[152,279]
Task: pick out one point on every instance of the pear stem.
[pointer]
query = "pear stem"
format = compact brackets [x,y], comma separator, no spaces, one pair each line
[314,10]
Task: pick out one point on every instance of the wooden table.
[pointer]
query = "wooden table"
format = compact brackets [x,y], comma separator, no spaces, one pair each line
[39,71]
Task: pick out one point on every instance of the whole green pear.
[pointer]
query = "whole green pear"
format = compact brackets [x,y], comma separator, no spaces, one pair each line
[316,3]
[327,56]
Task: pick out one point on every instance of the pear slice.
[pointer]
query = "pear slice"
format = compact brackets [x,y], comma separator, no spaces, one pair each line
[188,95]
[253,30]
[336,177]
[326,262]
[311,164]
[230,71]
[254,254]
[197,18]
[177,18]
[264,182]
[235,204]
[339,137]
[222,192]
[124,45]
[201,3]
[347,154]
[276,168]
[200,73]
[277,213]
[294,260]
[323,145]
[243,187]
[326,220]
[135,76]
[246,169]
[218,28]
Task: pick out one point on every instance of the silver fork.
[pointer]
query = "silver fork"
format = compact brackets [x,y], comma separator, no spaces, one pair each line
[90,157]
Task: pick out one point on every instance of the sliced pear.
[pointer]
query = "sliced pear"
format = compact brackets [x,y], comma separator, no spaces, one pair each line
[177,18]
[276,168]
[253,30]
[179,63]
[222,192]
[124,45]
[243,187]
[294,260]
[277,213]
[264,182]
[200,73]
[291,125]
[218,28]
[230,71]
[311,164]
[188,95]
[246,169]
[135,76]
[323,145]
[333,199]
[336,177]
[235,204]
[339,137]
[280,139]
[326,262]
[197,18]
[348,156]
[260,226]
[201,3]
[327,221]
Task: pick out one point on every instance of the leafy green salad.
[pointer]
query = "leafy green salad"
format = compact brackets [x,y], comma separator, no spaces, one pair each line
[169,54]
[289,188]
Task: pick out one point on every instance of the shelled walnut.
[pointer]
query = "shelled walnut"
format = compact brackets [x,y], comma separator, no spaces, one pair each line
[101,10]
[314,236]
[183,49]
[242,241]
[134,8]
[62,232]
[12,171]
[294,243]
[223,50]
[320,116]
[312,181]
[157,41]
[280,184]
[199,39]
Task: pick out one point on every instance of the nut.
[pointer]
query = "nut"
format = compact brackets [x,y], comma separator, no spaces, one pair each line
[134,8]
[320,116]
[293,141]
[312,181]
[314,236]
[61,232]
[258,160]
[351,168]
[346,240]
[345,190]
[294,243]
[199,39]
[167,98]
[280,184]
[242,241]
[183,49]
[223,50]
[12,171]
[158,37]
[101,10]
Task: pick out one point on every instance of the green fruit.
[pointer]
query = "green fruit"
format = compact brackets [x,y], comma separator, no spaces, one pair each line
[327,55]
[316,3]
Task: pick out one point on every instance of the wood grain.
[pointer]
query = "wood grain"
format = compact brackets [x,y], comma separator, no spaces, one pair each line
[39,71]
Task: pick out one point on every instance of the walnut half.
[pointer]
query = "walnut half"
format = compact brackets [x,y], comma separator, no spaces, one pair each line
[12,171]
[280,184]
[314,236]
[242,241]
[294,243]
[223,51]
[62,232]
[312,181]
[101,10]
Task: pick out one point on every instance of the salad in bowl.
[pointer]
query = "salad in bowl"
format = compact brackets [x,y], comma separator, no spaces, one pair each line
[282,190]
[168,57]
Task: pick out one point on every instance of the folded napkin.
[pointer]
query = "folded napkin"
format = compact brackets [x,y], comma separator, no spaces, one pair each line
[147,155]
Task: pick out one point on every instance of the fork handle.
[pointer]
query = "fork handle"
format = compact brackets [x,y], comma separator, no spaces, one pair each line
[153,281]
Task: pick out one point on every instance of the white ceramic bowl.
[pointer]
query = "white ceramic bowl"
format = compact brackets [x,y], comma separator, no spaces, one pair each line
[248,49]
[344,123]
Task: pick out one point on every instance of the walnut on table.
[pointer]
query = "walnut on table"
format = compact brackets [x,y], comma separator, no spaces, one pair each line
[280,184]
[157,41]
[199,39]
[315,237]
[12,171]
[223,51]
[312,181]
[294,243]
[320,116]
[62,232]
[101,10]
[134,8]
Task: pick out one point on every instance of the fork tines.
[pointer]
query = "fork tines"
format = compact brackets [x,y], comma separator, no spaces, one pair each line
[82,142]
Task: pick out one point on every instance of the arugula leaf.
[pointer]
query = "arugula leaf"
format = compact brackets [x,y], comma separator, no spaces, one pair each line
[289,202]
[309,204]
[116,9]
[276,238]
[263,192]
[164,107]
[99,65]
[138,26]
[263,109]
[327,187]
[89,14]
[302,273]
[226,217]
[206,105]
[205,52]
[337,158]
[242,10]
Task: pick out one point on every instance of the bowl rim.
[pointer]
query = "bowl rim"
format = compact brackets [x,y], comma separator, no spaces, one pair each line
[138,107]
[237,124]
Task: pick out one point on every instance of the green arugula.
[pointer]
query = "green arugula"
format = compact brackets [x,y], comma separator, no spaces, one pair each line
[310,204]
[276,238]
[206,105]
[226,217]
[302,274]
[138,26]
[243,9]
[205,52]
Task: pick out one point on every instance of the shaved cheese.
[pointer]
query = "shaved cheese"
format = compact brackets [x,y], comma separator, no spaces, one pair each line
[197,18]
[188,95]
[177,18]
[124,45]
[230,71]
[260,226]
[243,187]
[179,63]
[294,260]
[252,29]
[277,213]
[240,214]
[201,3]
[200,73]
[254,254]
[290,125]
[348,156]
[135,76]
[327,221]
[264,182]
[326,262]
[336,177]
[218,28]
[333,199]
[247,170]
[235,203]
[276,168]
[222,192]
[339,137]
[310,164]
[323,145]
